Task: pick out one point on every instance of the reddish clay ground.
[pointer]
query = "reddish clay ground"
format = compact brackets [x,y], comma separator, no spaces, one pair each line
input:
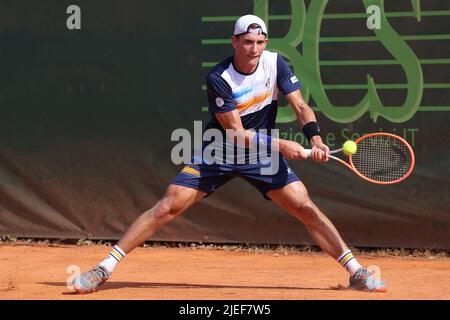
[39,272]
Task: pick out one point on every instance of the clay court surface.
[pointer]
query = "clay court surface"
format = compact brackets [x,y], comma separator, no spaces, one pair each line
[39,272]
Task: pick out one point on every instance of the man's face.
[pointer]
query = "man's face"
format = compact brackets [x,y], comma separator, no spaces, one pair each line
[249,47]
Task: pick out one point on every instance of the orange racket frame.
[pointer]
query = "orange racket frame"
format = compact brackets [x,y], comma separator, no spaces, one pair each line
[352,167]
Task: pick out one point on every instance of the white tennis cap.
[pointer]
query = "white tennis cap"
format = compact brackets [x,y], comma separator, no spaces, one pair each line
[243,23]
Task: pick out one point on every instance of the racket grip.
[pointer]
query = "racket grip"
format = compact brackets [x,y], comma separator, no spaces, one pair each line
[308,152]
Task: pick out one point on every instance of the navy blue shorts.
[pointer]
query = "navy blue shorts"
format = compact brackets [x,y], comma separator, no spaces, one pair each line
[209,177]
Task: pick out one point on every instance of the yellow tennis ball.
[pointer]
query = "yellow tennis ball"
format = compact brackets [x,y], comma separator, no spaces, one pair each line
[349,147]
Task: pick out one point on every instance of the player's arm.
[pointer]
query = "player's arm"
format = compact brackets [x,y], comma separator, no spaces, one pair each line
[223,106]
[290,86]
[307,120]
[231,122]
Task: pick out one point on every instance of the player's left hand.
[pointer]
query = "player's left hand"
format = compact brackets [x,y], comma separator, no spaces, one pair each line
[320,152]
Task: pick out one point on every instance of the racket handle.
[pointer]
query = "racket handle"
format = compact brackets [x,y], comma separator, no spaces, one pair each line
[308,152]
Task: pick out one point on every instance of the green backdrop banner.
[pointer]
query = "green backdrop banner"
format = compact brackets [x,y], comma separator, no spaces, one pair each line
[90,96]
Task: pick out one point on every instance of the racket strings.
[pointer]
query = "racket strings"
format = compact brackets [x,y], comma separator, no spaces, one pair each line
[382,158]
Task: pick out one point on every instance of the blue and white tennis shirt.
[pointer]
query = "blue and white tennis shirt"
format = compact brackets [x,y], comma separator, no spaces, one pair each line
[254,95]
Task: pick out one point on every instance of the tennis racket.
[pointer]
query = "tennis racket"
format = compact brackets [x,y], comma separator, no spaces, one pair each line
[381,158]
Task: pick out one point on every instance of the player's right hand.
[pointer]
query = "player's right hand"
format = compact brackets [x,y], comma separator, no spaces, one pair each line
[292,150]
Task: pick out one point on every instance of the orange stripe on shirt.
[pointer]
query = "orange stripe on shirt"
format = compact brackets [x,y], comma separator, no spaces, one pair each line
[241,107]
[191,171]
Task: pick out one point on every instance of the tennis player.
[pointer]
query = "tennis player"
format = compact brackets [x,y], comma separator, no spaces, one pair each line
[243,94]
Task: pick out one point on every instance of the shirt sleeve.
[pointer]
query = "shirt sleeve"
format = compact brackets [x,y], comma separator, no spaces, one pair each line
[286,79]
[220,95]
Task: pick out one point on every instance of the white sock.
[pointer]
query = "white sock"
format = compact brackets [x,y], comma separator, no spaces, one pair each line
[113,259]
[349,262]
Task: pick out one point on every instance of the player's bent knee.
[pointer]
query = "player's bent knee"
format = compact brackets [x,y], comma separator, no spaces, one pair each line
[172,205]
[175,201]
[307,212]
[164,210]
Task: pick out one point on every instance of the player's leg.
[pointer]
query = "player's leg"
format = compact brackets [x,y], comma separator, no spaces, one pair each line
[285,189]
[192,184]
[294,198]
[176,200]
